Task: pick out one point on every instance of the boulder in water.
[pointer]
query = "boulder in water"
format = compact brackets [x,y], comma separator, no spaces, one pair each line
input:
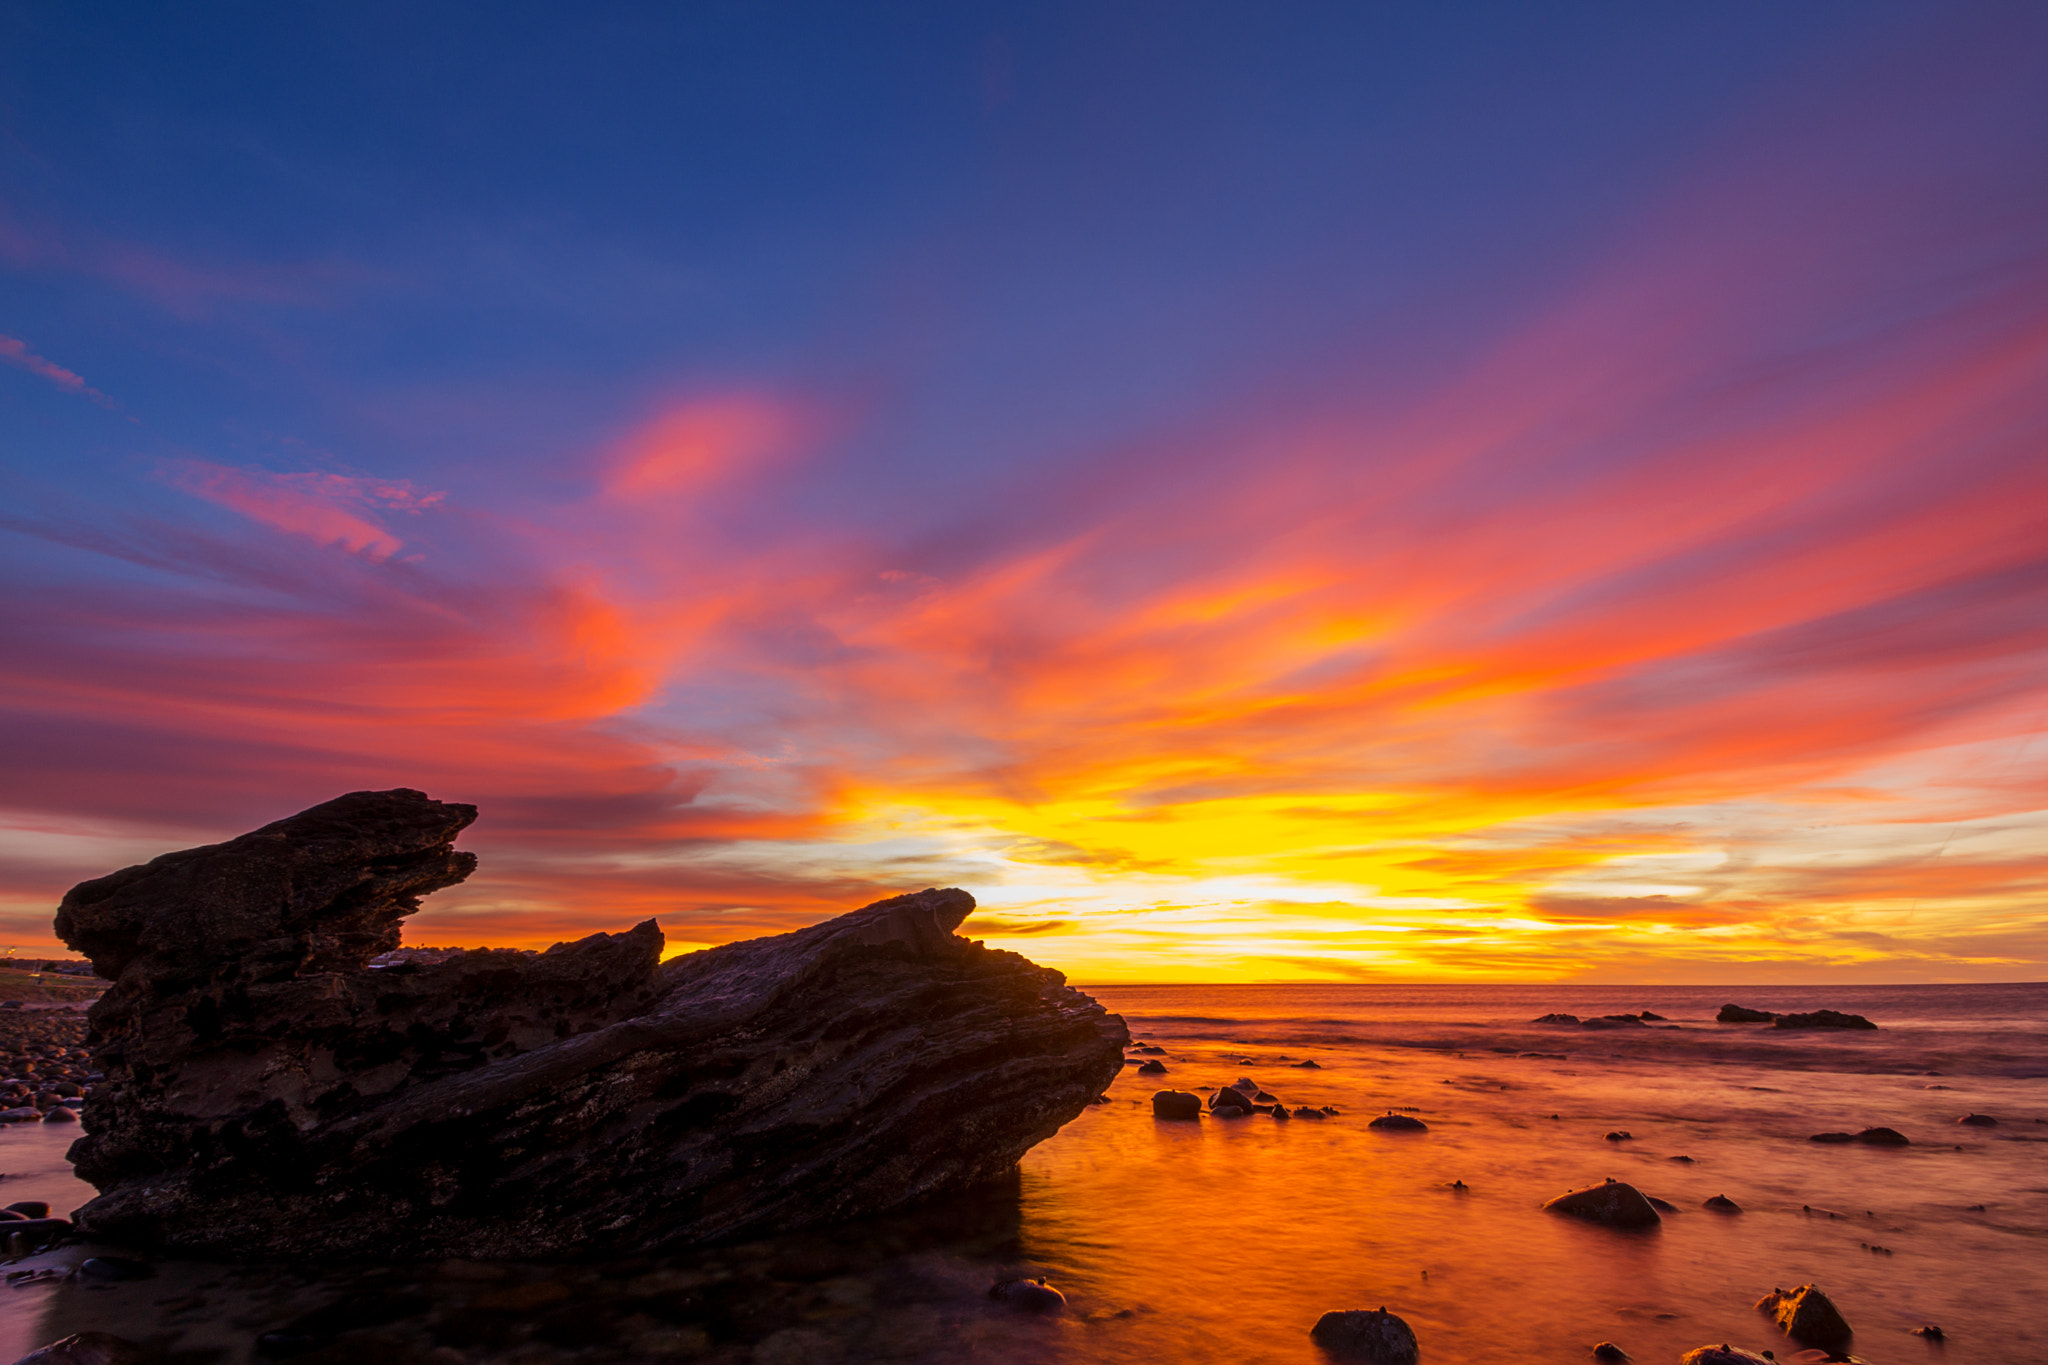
[1230,1097]
[1151,1068]
[1176,1105]
[1823,1019]
[1978,1121]
[1556,1018]
[1883,1137]
[1611,1354]
[1737,1014]
[1808,1316]
[1374,1336]
[266,1094]
[1390,1122]
[1721,1203]
[1615,1203]
[1724,1354]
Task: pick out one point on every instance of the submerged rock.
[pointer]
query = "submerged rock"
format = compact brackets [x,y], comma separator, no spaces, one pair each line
[266,1094]
[1615,1203]
[1375,1336]
[1736,1014]
[1978,1120]
[1151,1068]
[1883,1137]
[1806,1315]
[1823,1019]
[1391,1122]
[1721,1203]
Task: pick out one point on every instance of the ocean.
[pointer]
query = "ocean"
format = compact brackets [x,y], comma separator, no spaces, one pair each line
[1225,1240]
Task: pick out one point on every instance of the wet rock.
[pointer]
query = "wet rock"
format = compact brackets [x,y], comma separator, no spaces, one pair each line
[1615,1203]
[1661,1205]
[1978,1120]
[1614,1021]
[1230,1097]
[1931,1332]
[1230,1111]
[87,1348]
[61,1115]
[1310,1063]
[1391,1122]
[115,1268]
[1029,1296]
[1724,1354]
[1176,1105]
[1621,1135]
[1607,1351]
[1556,1019]
[1152,1050]
[21,1114]
[37,1232]
[1152,1068]
[1721,1203]
[1883,1137]
[1737,1014]
[512,1105]
[1683,1160]
[1374,1336]
[1823,1019]
[1280,1113]
[30,1208]
[1263,1098]
[1807,1316]
[1832,1137]
[1305,1112]
[1650,1018]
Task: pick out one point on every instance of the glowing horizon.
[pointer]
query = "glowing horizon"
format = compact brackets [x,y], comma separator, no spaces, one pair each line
[1670,607]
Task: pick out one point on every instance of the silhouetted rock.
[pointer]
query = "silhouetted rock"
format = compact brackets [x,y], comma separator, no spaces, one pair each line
[1230,1097]
[1398,1123]
[1807,1316]
[1883,1137]
[1030,1296]
[1978,1120]
[1305,1112]
[1176,1104]
[1608,1352]
[1721,1203]
[1614,1203]
[1621,1135]
[1310,1063]
[1374,1336]
[1832,1137]
[1648,1017]
[87,1348]
[266,1094]
[1723,1354]
[1556,1019]
[1152,1069]
[1736,1014]
[1823,1019]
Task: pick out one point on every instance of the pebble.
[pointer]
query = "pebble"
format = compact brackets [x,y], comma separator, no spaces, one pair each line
[1721,1203]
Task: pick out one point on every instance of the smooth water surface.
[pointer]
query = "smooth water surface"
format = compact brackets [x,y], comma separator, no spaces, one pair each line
[1225,1240]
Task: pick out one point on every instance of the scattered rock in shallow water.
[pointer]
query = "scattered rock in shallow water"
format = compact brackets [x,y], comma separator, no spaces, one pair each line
[1391,1122]
[1609,1352]
[1176,1104]
[1615,1203]
[1808,1316]
[1648,1017]
[1263,1098]
[1030,1296]
[1311,1063]
[87,1348]
[21,1115]
[1556,1019]
[1978,1120]
[1823,1020]
[1230,1111]
[1685,1159]
[1832,1137]
[1883,1137]
[1737,1014]
[1661,1205]
[115,1268]
[1721,1203]
[1931,1332]
[1621,1135]
[61,1115]
[1280,1113]
[1230,1097]
[1376,1337]
[1152,1050]
[1304,1112]
[1151,1068]
[1724,1354]
[30,1208]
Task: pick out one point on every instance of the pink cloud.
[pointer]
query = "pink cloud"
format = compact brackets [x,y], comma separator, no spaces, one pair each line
[327,508]
[16,352]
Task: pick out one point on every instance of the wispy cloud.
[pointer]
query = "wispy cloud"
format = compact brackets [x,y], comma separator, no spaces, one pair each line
[15,352]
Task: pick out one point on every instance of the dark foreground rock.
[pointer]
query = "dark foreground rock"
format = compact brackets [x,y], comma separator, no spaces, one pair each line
[1179,1105]
[266,1093]
[1808,1316]
[87,1348]
[1724,1354]
[1823,1019]
[1375,1336]
[1615,1203]
[1737,1014]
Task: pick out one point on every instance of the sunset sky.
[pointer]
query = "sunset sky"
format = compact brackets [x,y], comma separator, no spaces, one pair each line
[1251,492]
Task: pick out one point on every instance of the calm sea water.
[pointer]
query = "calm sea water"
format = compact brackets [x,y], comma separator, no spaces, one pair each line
[1225,1240]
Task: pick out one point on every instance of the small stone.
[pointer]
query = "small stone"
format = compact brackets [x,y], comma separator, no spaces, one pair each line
[1310,1063]
[1931,1332]
[1230,1097]
[1648,1017]
[1683,1159]
[1398,1123]
[1030,1296]
[1176,1104]
[1230,1111]
[1151,1068]
[1721,1203]
[1304,1112]
[1883,1137]
[1621,1135]
[1808,1316]
[1377,1337]
[1832,1137]
[1280,1113]
[61,1115]
[1978,1120]
[1608,1351]
[1263,1098]
[1556,1019]
[1724,1354]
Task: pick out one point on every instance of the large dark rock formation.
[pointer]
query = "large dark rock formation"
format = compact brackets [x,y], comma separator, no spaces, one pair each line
[268,1094]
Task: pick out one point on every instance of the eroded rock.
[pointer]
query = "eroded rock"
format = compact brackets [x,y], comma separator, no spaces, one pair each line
[1823,1019]
[267,1093]
[1374,1336]
[1724,1354]
[1806,1315]
[1737,1014]
[1615,1203]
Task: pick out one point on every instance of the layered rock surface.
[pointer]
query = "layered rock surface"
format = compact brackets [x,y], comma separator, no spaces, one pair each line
[268,1094]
